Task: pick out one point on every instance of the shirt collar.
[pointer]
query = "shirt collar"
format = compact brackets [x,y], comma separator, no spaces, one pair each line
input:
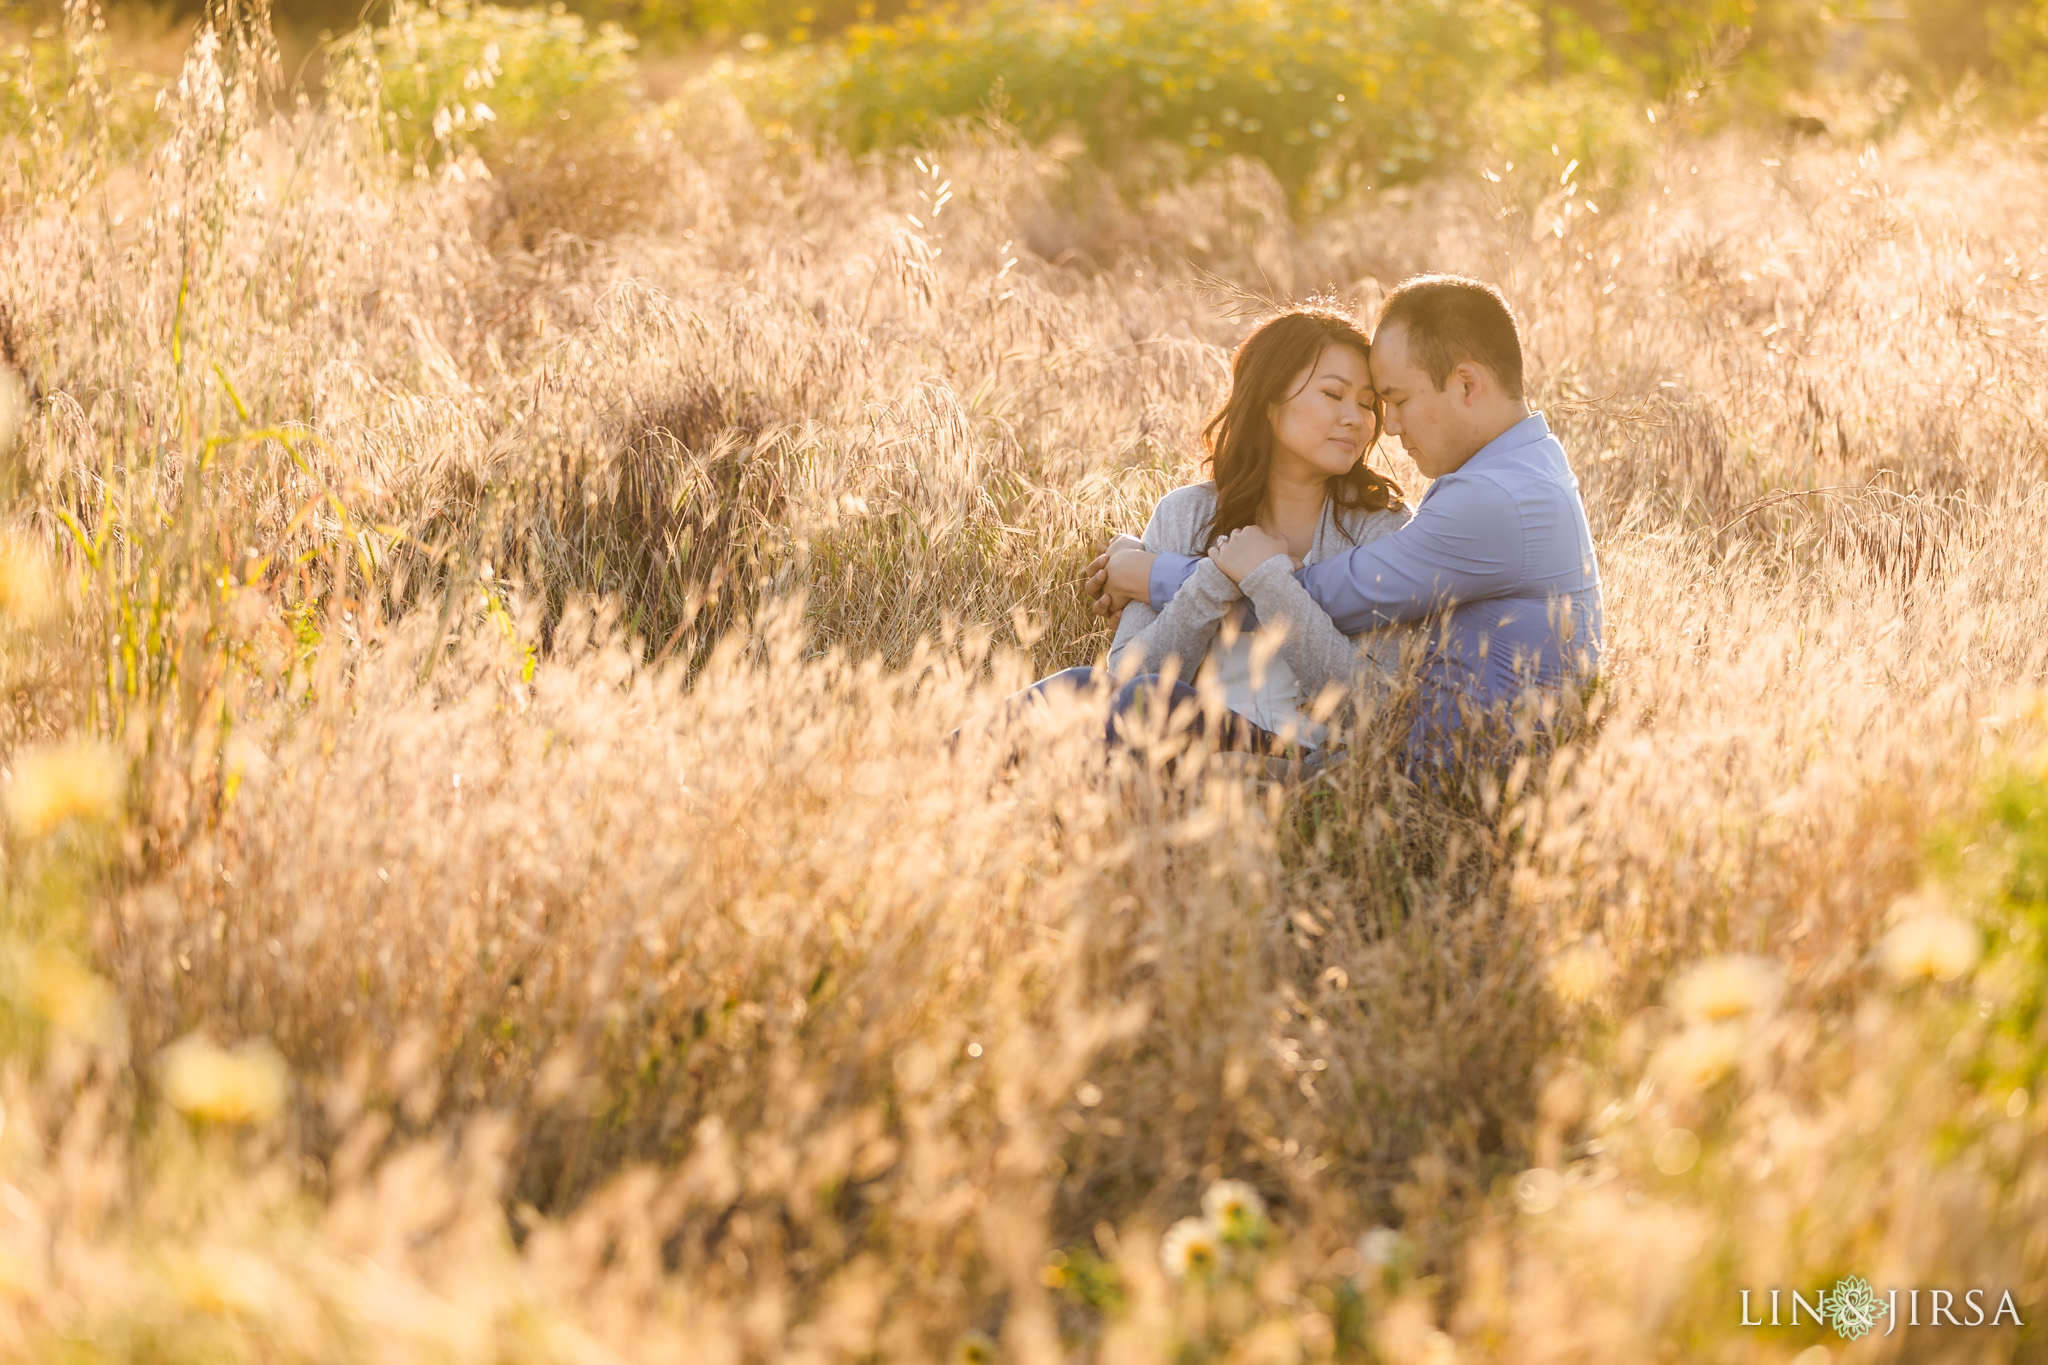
[1523,434]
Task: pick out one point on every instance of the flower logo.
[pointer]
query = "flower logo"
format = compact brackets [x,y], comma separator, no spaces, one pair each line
[1853,1307]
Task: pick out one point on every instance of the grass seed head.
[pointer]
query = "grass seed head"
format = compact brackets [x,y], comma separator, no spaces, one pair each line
[13,409]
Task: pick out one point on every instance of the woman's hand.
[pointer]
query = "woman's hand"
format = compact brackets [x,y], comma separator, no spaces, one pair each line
[1244,549]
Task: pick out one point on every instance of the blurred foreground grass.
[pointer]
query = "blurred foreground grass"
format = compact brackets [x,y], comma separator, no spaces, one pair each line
[484,881]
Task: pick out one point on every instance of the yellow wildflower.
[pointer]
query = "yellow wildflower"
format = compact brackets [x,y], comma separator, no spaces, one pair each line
[205,1081]
[54,783]
[28,590]
[73,1000]
[1939,946]
[1382,1246]
[1576,974]
[224,1283]
[1725,988]
[1699,1056]
[1192,1250]
[1234,1209]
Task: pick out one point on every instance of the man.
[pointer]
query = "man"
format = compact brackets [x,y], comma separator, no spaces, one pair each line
[1498,554]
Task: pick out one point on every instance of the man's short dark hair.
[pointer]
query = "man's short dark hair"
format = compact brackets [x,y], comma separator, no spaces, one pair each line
[1449,319]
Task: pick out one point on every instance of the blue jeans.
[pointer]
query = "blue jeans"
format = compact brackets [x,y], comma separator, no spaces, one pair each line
[1139,697]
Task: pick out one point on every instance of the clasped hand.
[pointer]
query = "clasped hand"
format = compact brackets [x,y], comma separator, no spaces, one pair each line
[1122,572]
[1243,550]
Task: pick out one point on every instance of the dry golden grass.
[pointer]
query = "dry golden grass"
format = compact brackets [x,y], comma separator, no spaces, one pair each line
[530,634]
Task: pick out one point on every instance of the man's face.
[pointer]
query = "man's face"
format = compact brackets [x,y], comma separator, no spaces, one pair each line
[1429,421]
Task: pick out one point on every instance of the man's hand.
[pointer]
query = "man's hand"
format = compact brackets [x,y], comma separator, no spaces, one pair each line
[1129,580]
[1111,590]
[1096,578]
[1243,550]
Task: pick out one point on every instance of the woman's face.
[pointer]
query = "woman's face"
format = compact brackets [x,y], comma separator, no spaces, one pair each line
[1327,421]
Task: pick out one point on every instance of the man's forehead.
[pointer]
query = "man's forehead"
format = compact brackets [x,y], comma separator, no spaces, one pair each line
[1390,353]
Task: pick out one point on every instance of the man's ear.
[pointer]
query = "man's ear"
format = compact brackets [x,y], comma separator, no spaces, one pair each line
[1466,376]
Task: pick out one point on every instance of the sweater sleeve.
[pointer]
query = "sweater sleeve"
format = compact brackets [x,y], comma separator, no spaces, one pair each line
[1188,624]
[1313,647]
[1464,544]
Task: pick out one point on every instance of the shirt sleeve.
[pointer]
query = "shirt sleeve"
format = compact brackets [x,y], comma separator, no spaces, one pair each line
[1169,571]
[1465,544]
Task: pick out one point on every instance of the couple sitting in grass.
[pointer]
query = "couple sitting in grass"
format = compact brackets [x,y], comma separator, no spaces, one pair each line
[1296,576]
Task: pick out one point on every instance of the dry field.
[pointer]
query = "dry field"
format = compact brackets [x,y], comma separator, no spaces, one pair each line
[505,632]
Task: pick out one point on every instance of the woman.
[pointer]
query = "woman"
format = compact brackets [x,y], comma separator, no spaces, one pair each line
[1287,450]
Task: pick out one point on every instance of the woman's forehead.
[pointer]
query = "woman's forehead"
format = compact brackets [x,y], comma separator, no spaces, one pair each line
[1344,360]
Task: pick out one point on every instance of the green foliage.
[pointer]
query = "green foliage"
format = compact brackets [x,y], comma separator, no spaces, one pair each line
[1320,93]
[441,81]
[1996,861]
[1993,47]
[1088,1278]
[1327,96]
[1577,125]
[1660,47]
[2020,806]
[789,21]
[35,74]
[66,110]
[2019,46]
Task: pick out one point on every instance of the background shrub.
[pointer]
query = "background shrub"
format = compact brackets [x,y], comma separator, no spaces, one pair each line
[438,81]
[2019,48]
[63,102]
[1545,143]
[1319,93]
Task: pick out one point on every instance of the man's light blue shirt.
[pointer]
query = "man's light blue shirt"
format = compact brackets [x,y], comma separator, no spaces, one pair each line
[1500,551]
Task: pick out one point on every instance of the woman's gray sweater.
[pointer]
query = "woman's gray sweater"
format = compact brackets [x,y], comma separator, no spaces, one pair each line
[1314,648]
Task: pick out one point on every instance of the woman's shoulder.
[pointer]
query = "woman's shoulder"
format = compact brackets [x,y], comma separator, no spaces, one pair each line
[1182,516]
[1193,497]
[1363,525]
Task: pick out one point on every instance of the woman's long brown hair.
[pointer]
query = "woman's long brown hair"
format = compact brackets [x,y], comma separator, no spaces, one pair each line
[1239,434]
